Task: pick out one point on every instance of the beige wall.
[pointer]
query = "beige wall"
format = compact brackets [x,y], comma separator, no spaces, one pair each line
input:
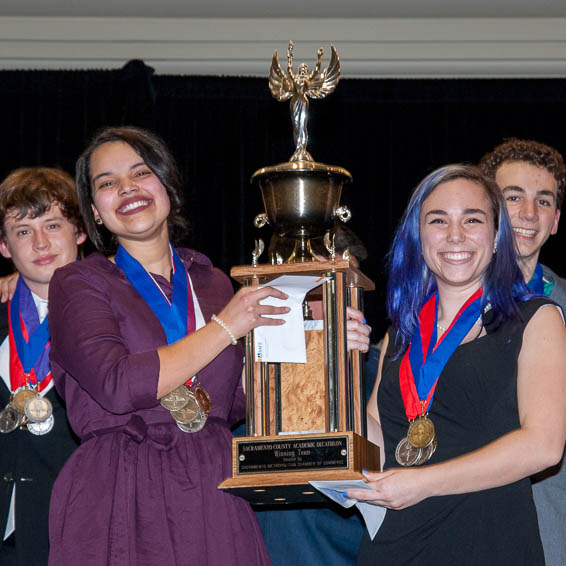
[451,47]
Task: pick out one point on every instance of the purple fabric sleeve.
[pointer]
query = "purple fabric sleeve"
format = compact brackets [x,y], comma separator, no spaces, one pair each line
[88,341]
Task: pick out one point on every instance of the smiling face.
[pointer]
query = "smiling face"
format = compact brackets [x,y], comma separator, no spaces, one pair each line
[457,233]
[128,197]
[530,197]
[38,246]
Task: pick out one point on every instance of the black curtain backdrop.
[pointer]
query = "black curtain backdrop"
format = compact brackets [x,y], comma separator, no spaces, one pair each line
[387,133]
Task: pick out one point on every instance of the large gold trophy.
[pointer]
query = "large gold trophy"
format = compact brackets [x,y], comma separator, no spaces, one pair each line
[304,422]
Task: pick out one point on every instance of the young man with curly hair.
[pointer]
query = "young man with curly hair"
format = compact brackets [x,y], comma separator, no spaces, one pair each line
[532,177]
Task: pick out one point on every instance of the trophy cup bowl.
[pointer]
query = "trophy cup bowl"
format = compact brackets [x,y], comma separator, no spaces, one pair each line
[301,200]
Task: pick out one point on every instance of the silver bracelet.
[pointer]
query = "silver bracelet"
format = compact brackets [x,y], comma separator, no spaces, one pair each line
[223,325]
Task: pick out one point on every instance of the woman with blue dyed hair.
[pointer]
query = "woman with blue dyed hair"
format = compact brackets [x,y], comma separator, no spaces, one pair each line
[470,397]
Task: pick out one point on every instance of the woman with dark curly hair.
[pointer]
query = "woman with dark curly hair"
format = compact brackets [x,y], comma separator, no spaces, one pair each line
[145,352]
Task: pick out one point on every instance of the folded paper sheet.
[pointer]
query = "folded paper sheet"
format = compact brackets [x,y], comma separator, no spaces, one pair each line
[373,514]
[286,343]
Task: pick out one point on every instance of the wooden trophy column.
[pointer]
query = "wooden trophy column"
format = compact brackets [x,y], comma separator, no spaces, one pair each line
[305,422]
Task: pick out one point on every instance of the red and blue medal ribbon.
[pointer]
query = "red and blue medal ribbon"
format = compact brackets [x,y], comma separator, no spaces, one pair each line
[426,357]
[177,317]
[536,284]
[29,341]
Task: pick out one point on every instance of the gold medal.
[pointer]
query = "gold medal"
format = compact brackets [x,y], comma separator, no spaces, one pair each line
[20,397]
[176,399]
[406,454]
[38,409]
[192,406]
[421,432]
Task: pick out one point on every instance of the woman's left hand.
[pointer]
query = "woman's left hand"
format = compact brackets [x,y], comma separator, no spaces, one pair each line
[395,489]
[357,330]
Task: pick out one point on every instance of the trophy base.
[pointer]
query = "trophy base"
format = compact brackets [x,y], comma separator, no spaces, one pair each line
[271,470]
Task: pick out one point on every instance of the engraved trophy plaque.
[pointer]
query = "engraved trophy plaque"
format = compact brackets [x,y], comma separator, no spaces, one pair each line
[303,421]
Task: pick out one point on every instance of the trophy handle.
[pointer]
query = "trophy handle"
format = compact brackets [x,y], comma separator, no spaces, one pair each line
[261,220]
[258,250]
[343,213]
[329,245]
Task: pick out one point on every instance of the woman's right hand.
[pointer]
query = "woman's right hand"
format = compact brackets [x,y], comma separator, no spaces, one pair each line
[244,311]
[396,488]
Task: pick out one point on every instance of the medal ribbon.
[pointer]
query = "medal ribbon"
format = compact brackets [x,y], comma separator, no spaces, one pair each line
[29,341]
[177,317]
[426,357]
[536,284]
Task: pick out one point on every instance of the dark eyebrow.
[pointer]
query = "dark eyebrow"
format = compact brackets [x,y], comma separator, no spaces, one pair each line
[24,222]
[466,211]
[106,173]
[514,188]
[19,224]
[546,193]
[99,175]
[543,192]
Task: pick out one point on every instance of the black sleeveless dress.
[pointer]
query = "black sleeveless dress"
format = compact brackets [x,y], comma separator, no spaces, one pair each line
[475,403]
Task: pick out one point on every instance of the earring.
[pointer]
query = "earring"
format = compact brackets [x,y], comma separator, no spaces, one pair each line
[495,246]
[98,221]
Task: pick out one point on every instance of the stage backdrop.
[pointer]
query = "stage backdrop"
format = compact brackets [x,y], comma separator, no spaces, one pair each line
[387,133]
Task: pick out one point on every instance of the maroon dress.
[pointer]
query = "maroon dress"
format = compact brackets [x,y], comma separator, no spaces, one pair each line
[139,491]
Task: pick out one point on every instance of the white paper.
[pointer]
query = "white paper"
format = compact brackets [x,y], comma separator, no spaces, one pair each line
[286,343]
[373,514]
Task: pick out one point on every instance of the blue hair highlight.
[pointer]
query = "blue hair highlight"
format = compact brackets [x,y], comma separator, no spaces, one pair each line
[410,280]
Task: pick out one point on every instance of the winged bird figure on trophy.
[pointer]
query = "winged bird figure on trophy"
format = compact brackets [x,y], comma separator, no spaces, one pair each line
[299,87]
